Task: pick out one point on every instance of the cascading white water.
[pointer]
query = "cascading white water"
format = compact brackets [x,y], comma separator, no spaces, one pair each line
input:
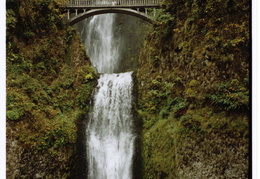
[102,47]
[110,138]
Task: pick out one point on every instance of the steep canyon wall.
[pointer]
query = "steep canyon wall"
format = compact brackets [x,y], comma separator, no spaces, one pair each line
[193,91]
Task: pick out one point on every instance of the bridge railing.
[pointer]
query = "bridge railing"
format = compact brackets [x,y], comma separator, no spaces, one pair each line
[110,3]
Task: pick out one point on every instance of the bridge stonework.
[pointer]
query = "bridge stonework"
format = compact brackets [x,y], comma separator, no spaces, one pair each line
[77,10]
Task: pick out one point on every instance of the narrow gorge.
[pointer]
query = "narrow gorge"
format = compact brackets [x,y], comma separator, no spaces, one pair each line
[115,97]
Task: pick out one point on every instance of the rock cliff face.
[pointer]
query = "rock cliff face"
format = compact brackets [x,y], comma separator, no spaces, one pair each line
[193,91]
[49,83]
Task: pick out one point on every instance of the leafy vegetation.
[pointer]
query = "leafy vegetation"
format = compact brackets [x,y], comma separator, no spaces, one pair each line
[193,95]
[49,80]
[230,96]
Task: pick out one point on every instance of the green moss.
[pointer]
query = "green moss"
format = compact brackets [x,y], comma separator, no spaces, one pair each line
[170,146]
[195,115]
[49,83]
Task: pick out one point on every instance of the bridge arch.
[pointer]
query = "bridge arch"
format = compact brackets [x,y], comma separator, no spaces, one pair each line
[94,12]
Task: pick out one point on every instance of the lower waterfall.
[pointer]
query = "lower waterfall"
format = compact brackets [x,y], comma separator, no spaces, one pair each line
[110,137]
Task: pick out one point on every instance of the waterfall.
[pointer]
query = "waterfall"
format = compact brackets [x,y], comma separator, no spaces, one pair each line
[102,46]
[110,141]
[110,138]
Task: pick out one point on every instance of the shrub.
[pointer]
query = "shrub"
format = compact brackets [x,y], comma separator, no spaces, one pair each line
[13,114]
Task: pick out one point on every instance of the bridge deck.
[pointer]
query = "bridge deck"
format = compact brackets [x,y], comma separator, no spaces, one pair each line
[92,4]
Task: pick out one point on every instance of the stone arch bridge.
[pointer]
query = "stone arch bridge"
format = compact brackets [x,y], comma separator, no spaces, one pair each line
[78,10]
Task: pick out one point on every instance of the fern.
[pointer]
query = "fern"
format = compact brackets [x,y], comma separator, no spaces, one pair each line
[230,96]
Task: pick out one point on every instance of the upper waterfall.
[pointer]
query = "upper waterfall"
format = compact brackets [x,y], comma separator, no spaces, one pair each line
[102,47]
